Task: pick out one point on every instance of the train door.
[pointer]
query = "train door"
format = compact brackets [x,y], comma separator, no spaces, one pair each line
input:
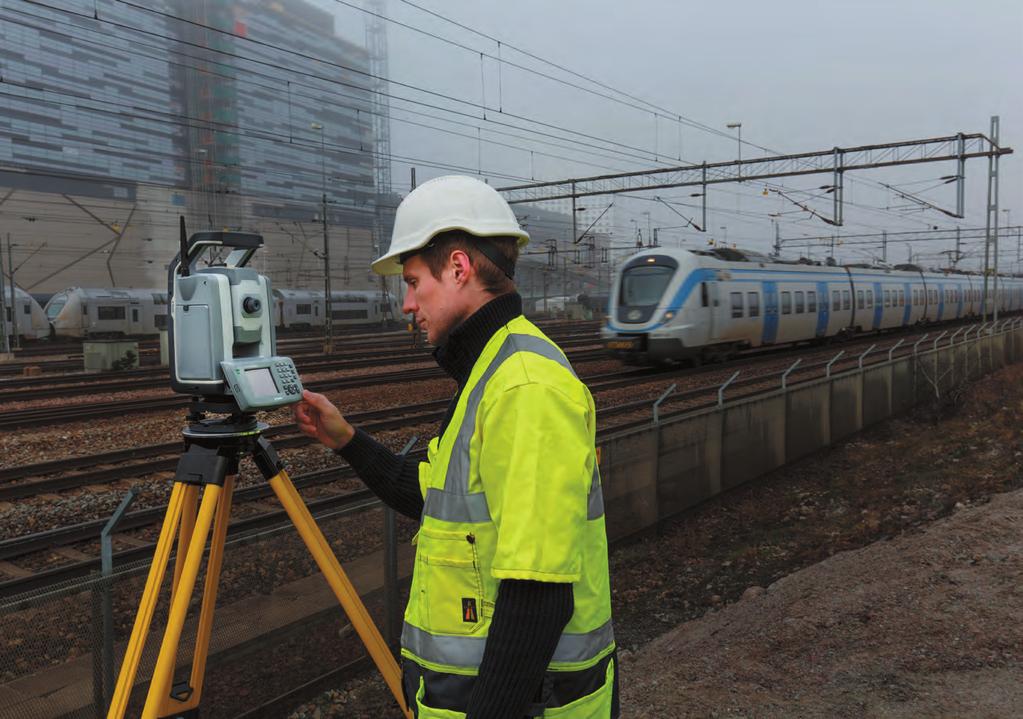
[770,313]
[823,315]
[878,306]
[135,319]
[709,299]
[941,302]
[908,291]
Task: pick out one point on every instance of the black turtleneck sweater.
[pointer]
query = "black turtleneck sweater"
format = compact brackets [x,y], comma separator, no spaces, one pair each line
[528,616]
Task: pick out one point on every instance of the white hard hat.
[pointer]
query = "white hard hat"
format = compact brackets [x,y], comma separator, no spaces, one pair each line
[451,202]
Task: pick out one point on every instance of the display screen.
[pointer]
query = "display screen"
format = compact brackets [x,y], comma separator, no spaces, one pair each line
[261,381]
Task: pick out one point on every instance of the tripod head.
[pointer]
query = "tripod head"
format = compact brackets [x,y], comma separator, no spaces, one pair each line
[221,329]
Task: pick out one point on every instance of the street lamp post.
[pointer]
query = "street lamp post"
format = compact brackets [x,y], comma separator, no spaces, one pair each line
[328,303]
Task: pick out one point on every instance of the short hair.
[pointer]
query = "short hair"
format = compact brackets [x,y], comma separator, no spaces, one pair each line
[437,251]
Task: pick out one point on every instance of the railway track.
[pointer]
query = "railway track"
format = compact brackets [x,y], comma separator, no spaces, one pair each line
[156,458]
[34,417]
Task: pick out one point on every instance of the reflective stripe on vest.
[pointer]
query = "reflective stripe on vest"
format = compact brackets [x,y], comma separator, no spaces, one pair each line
[454,503]
[468,651]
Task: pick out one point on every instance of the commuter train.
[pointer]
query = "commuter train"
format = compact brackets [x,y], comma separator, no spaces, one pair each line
[673,305]
[26,313]
[90,312]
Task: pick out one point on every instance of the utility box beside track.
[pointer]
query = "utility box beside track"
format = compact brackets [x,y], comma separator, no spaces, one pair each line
[104,355]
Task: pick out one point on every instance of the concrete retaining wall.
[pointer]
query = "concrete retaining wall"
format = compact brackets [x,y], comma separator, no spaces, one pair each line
[653,473]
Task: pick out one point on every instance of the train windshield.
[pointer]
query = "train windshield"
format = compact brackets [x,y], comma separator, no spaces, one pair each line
[644,285]
[53,309]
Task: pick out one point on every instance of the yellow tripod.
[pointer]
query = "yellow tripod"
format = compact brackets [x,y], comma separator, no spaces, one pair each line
[210,461]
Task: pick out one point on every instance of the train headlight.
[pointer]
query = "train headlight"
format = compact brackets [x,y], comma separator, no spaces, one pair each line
[667,316]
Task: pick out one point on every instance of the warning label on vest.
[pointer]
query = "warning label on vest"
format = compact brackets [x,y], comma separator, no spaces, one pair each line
[469,610]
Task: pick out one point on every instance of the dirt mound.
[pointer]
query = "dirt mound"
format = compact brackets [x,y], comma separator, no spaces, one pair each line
[924,625]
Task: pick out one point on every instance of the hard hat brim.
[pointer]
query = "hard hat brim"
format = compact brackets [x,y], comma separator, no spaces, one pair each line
[390,263]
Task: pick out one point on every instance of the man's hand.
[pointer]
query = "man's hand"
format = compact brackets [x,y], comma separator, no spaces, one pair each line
[322,421]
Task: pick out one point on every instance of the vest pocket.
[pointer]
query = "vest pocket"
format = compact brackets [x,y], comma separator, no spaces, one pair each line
[592,706]
[450,583]
[425,712]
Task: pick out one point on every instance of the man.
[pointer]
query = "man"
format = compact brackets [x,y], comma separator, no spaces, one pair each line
[509,612]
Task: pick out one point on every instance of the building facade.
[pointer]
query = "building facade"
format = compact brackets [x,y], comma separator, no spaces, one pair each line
[244,115]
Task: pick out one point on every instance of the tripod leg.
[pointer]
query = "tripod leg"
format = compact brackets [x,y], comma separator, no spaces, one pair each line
[190,501]
[164,671]
[209,602]
[147,605]
[339,583]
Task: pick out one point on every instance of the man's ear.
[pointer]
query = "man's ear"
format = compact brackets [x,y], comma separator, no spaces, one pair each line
[461,266]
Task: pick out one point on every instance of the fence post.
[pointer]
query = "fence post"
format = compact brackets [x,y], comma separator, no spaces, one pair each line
[721,389]
[657,404]
[895,347]
[785,376]
[860,359]
[103,671]
[833,361]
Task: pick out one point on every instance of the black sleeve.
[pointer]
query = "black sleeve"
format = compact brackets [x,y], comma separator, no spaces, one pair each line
[391,476]
[528,619]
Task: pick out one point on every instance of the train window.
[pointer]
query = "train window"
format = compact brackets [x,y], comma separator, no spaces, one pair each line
[54,308]
[7,310]
[350,314]
[25,309]
[85,309]
[859,299]
[846,299]
[704,297]
[160,321]
[641,286]
[870,299]
[109,313]
[887,298]
[159,298]
[786,303]
[902,297]
[134,315]
[753,301]
[811,301]
[303,309]
[736,304]
[836,300]
[799,303]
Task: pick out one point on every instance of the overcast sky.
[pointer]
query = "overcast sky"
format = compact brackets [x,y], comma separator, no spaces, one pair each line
[800,76]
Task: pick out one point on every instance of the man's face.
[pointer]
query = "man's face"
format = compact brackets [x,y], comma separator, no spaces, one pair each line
[432,301]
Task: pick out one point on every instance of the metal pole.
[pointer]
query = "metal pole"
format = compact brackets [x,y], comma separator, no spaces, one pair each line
[993,210]
[785,376]
[938,339]
[869,350]
[827,372]
[884,247]
[721,389]
[919,342]
[107,570]
[5,346]
[895,347]
[14,304]
[657,404]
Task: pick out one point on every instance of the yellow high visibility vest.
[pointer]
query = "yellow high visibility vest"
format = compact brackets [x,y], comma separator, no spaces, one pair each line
[512,491]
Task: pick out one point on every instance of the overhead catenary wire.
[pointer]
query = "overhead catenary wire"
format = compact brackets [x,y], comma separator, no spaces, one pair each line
[369,90]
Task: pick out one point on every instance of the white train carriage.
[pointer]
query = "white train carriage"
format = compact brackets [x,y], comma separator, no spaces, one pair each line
[674,305]
[359,307]
[26,316]
[91,312]
[298,309]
